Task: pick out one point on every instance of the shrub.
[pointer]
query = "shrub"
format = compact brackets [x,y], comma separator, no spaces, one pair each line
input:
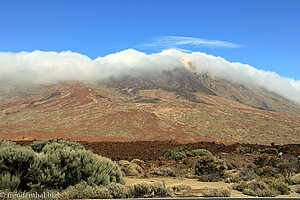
[223,192]
[260,192]
[181,187]
[200,152]
[245,174]
[53,144]
[130,168]
[118,191]
[267,187]
[15,162]
[297,190]
[267,171]
[150,190]
[53,165]
[269,151]
[288,166]
[176,154]
[278,184]
[163,172]
[182,152]
[240,186]
[138,162]
[84,190]
[258,188]
[266,160]
[209,168]
[295,180]
[9,181]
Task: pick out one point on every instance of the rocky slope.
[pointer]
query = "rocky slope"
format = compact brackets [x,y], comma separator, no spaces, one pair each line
[178,105]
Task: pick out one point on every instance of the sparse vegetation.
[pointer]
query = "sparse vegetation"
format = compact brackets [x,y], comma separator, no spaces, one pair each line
[267,171]
[209,168]
[265,159]
[294,180]
[130,168]
[200,152]
[180,188]
[164,171]
[68,169]
[256,188]
[150,190]
[269,151]
[267,187]
[297,190]
[222,192]
[176,154]
[182,152]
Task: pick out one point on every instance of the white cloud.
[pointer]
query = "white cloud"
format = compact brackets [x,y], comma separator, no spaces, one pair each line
[49,67]
[178,42]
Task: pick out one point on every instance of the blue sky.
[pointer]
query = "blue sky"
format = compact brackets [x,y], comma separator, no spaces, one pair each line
[264,34]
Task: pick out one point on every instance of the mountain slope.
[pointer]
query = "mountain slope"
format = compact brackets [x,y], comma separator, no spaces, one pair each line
[177,105]
[250,95]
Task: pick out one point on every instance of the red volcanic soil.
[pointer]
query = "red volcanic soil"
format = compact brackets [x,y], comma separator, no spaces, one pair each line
[153,150]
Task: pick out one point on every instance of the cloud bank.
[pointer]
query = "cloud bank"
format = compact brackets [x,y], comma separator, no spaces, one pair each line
[50,67]
[179,42]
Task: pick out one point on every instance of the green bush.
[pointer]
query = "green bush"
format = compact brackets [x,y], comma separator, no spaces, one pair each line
[150,190]
[53,144]
[222,192]
[176,154]
[182,152]
[15,163]
[200,152]
[9,181]
[63,166]
[209,168]
[53,165]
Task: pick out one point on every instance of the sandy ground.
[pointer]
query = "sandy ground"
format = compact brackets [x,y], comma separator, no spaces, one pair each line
[197,186]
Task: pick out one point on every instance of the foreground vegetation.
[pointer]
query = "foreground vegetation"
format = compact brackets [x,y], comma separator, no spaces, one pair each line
[68,170]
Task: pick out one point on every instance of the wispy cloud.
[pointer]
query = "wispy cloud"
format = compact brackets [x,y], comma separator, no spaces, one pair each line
[180,42]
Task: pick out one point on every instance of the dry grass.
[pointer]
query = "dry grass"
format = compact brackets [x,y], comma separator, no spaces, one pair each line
[222,192]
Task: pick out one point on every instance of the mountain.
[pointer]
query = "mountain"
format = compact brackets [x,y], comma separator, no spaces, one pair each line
[176,104]
[184,83]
